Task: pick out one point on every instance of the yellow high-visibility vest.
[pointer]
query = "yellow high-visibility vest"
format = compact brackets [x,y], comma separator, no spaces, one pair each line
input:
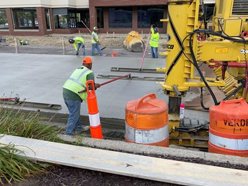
[154,40]
[77,82]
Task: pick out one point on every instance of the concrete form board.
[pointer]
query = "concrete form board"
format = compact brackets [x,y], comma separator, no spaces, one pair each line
[138,166]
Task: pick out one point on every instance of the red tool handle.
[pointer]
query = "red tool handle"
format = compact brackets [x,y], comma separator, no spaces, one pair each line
[8,99]
[115,79]
[107,82]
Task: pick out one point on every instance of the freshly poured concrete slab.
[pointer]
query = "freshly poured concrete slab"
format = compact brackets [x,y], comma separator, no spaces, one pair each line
[39,78]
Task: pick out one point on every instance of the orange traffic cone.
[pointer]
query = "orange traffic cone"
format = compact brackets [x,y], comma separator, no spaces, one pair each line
[114,54]
[95,124]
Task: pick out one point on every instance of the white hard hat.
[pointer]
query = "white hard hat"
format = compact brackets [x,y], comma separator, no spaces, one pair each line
[95,28]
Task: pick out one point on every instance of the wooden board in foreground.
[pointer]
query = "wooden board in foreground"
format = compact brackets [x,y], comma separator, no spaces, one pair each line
[138,166]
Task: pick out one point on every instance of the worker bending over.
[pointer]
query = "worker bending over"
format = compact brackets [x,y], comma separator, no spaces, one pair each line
[77,43]
[73,95]
[154,41]
[95,42]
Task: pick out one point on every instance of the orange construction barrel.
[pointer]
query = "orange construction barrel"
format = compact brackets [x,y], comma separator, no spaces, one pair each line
[228,130]
[147,121]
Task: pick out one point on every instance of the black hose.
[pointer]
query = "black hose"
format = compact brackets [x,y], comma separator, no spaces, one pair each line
[201,97]
[199,70]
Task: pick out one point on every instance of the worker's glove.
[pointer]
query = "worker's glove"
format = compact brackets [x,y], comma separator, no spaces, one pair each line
[97,85]
[82,91]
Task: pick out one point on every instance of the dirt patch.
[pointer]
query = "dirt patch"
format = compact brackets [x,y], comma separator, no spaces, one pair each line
[107,40]
[112,45]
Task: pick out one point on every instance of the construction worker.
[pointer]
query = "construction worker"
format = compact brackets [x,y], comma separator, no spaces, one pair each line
[73,95]
[77,43]
[95,42]
[154,41]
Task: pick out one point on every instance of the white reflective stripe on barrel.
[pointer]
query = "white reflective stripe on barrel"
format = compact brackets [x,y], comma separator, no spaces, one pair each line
[146,136]
[94,120]
[227,143]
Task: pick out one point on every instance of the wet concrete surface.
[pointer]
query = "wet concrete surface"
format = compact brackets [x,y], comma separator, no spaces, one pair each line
[39,78]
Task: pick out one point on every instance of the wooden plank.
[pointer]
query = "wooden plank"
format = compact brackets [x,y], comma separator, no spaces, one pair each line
[163,170]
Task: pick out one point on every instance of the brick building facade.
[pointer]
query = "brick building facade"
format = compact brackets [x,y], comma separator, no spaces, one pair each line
[41,17]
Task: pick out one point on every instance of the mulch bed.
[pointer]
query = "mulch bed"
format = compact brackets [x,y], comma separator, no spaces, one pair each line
[68,176]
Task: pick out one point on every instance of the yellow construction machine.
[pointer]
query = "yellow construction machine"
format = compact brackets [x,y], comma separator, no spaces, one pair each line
[210,32]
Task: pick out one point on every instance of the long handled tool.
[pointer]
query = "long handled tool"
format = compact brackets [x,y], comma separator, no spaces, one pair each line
[90,32]
[128,76]
[86,26]
[14,99]
[144,53]
[17,102]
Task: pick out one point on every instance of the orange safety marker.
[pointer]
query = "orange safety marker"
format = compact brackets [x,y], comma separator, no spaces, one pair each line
[114,54]
[147,121]
[228,129]
[95,124]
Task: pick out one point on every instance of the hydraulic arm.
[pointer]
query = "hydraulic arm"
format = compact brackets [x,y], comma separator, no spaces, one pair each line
[215,34]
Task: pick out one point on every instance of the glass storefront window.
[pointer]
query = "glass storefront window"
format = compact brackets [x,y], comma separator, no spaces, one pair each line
[84,15]
[3,19]
[120,17]
[60,17]
[150,15]
[70,18]
[100,18]
[25,18]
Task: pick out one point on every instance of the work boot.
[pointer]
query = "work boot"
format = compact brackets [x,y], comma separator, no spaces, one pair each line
[65,136]
[85,128]
[76,53]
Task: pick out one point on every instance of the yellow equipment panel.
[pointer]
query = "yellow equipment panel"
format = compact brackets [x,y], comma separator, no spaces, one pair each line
[230,24]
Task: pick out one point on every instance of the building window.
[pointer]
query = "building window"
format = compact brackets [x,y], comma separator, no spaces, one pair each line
[150,15]
[25,18]
[71,18]
[83,15]
[60,17]
[48,19]
[120,17]
[100,18]
[3,19]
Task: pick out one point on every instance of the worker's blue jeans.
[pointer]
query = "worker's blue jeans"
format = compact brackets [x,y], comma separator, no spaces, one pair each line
[78,48]
[154,51]
[74,122]
[95,46]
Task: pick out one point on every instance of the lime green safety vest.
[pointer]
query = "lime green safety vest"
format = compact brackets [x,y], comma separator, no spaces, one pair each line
[154,38]
[76,41]
[95,38]
[77,82]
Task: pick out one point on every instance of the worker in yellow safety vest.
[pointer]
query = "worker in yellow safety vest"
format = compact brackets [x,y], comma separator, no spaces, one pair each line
[73,95]
[154,41]
[77,43]
[95,42]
